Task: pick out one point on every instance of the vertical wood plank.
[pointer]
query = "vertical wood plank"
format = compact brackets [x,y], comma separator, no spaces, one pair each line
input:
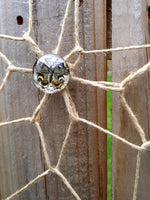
[84,160]
[130,27]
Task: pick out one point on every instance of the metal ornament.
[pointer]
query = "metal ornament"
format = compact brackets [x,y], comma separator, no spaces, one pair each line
[51,73]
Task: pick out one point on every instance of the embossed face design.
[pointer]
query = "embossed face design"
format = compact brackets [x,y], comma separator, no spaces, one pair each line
[51,73]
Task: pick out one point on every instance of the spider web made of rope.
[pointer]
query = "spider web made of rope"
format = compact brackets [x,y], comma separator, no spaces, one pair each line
[74,117]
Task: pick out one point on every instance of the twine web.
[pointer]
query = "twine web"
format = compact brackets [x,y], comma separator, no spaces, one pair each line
[74,117]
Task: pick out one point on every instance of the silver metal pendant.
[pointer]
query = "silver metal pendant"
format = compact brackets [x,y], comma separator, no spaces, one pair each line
[51,73]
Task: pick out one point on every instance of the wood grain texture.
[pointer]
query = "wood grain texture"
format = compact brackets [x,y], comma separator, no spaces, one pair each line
[130,27]
[84,160]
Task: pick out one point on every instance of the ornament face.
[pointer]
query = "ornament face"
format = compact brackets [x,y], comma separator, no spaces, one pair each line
[51,73]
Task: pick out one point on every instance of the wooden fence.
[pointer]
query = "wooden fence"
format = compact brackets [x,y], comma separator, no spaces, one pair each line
[130,27]
[84,162]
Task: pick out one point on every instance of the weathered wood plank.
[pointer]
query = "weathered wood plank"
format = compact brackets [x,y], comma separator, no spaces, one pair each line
[20,147]
[130,27]
[84,160]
